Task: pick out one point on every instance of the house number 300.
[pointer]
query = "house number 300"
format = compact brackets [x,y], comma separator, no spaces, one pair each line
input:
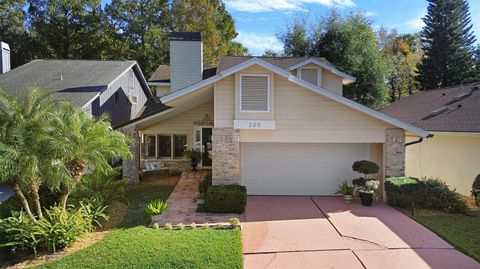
[254,125]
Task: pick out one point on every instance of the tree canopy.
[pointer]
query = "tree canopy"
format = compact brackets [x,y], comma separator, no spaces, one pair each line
[447,40]
[349,42]
[121,29]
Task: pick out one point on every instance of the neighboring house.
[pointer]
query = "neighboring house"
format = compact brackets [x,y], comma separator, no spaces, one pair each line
[114,87]
[452,115]
[280,126]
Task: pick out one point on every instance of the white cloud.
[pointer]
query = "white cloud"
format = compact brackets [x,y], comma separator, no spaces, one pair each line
[282,5]
[258,43]
[370,13]
[416,23]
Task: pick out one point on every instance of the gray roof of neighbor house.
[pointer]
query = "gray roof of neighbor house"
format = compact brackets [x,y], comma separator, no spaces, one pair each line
[451,109]
[73,80]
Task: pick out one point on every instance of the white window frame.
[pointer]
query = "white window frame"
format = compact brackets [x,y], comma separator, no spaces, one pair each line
[319,74]
[269,98]
[172,145]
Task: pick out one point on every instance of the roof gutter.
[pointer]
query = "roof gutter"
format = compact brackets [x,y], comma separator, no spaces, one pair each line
[420,140]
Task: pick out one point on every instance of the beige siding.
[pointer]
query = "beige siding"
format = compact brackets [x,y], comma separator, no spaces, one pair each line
[182,123]
[300,114]
[329,80]
[332,82]
[224,102]
[453,158]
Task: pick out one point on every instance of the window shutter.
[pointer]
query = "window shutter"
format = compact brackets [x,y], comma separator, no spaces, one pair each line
[310,75]
[254,93]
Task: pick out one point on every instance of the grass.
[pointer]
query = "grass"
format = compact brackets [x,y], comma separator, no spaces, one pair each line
[461,231]
[133,245]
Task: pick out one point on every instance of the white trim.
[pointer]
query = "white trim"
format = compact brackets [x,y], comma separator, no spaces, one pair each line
[268,94]
[319,74]
[348,78]
[333,96]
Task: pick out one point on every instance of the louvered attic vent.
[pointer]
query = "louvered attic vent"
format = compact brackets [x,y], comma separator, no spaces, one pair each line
[254,93]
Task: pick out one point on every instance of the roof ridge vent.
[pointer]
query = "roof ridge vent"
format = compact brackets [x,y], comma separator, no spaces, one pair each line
[438,111]
[462,96]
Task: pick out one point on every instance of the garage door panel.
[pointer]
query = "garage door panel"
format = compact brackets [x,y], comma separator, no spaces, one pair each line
[298,168]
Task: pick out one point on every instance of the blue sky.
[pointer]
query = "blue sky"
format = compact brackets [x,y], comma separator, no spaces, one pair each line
[257,21]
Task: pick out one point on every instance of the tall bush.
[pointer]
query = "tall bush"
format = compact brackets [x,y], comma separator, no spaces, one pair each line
[426,193]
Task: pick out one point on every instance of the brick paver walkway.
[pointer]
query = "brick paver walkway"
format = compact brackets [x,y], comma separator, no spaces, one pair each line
[182,206]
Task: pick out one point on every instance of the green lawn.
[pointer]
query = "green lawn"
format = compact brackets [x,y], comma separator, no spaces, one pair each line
[461,231]
[132,245]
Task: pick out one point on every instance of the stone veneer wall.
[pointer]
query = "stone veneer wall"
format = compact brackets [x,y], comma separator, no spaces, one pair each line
[395,152]
[225,156]
[131,166]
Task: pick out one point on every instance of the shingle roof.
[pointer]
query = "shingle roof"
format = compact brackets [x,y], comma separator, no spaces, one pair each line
[281,62]
[451,109]
[162,74]
[74,80]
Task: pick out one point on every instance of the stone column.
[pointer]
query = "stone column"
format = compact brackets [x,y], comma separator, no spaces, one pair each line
[394,151]
[131,166]
[225,156]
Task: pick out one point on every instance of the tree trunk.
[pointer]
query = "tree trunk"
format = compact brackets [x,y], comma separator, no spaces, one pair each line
[64,193]
[36,198]
[76,168]
[23,200]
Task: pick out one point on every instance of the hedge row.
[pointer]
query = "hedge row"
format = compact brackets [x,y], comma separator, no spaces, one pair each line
[425,193]
[226,199]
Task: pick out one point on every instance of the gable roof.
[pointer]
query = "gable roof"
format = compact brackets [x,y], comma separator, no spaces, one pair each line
[451,109]
[78,81]
[286,74]
[286,63]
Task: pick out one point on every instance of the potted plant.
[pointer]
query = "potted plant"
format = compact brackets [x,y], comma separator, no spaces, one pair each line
[155,209]
[347,192]
[367,191]
[194,156]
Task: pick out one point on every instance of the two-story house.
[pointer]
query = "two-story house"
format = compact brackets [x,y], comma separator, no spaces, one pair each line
[279,126]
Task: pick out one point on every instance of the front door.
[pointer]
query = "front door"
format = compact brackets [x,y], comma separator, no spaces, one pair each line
[203,142]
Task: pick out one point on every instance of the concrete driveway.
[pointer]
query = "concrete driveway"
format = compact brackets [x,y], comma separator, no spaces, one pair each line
[324,232]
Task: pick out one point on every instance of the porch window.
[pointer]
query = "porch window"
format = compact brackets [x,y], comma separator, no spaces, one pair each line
[149,146]
[179,145]
[164,146]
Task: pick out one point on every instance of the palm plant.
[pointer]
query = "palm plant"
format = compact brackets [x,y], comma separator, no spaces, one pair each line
[82,142]
[24,132]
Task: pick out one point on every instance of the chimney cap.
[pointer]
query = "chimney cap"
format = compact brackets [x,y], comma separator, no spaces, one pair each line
[185,36]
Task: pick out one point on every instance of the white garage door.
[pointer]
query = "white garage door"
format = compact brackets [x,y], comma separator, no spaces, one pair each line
[298,168]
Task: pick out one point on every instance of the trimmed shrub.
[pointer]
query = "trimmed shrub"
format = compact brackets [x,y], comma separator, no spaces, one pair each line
[365,167]
[403,191]
[205,183]
[226,199]
[427,193]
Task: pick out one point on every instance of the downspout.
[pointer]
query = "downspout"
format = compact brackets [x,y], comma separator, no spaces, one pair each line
[418,141]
